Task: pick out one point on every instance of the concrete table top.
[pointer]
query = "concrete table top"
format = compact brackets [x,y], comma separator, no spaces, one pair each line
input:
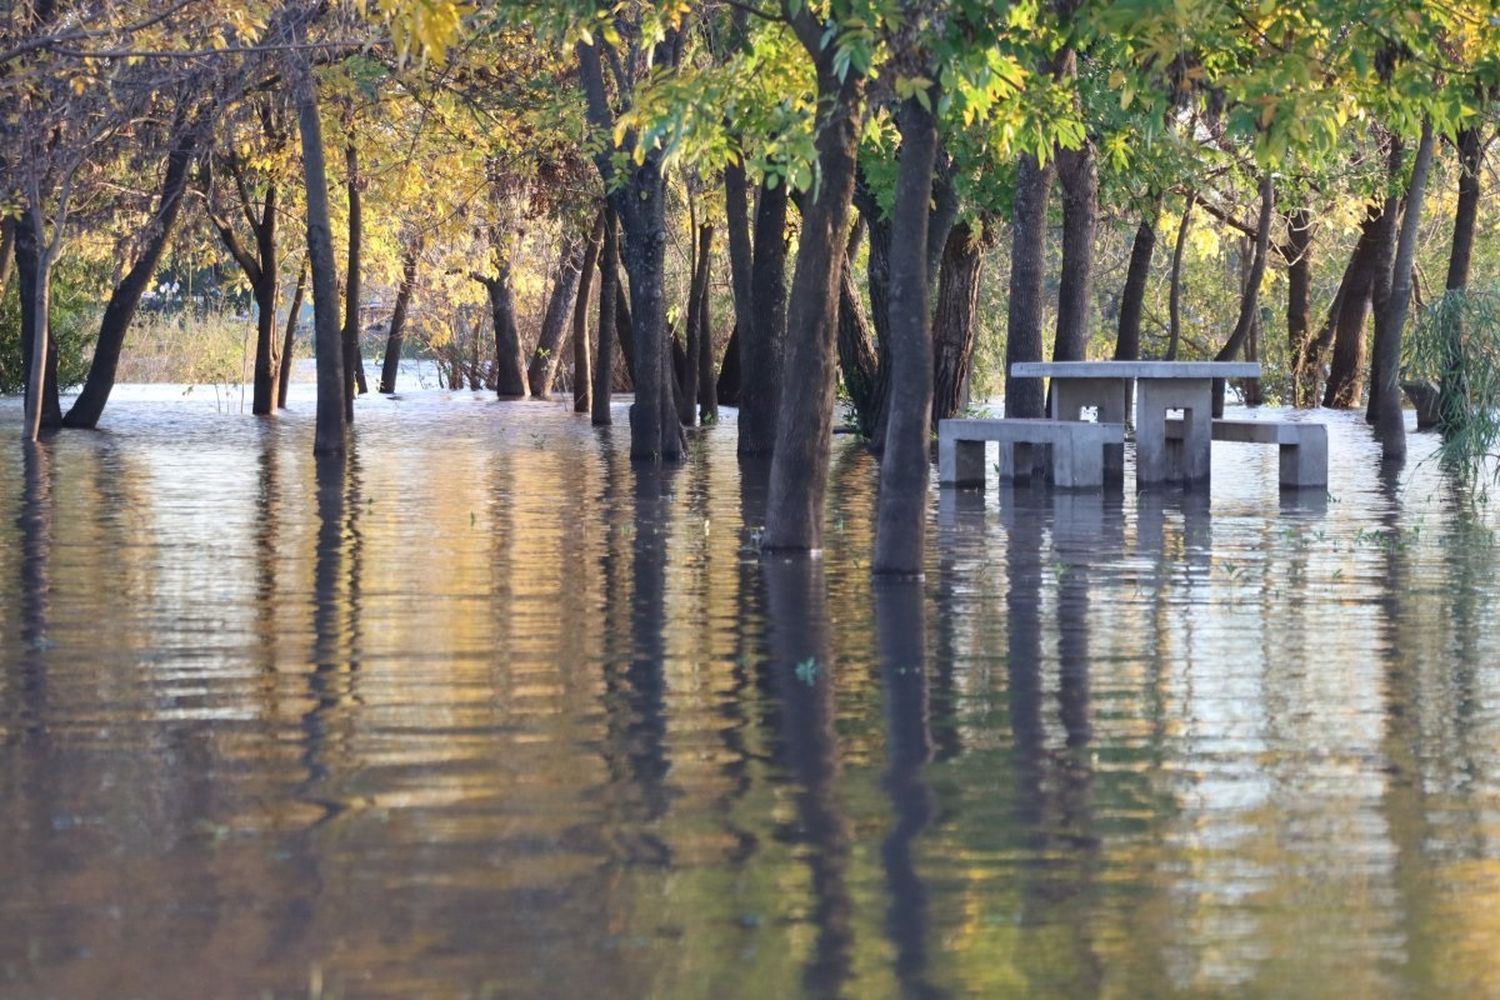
[1136,369]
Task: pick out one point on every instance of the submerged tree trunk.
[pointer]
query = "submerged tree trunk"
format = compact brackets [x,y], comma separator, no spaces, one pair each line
[1346,367]
[727,386]
[332,426]
[741,267]
[859,363]
[609,278]
[1297,252]
[289,339]
[708,397]
[1250,296]
[35,294]
[1391,310]
[955,324]
[583,373]
[1023,396]
[904,467]
[1451,387]
[804,419]
[687,403]
[120,310]
[543,368]
[1078,174]
[1174,304]
[878,281]
[1133,296]
[762,341]
[394,341]
[510,370]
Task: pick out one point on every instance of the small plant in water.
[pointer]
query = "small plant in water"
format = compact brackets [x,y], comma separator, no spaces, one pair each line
[807,671]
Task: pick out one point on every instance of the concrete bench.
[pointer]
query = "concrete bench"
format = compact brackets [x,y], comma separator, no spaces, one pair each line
[1077,450]
[1304,446]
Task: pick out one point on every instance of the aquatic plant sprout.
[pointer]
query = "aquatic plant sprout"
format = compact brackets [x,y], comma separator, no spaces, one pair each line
[1456,345]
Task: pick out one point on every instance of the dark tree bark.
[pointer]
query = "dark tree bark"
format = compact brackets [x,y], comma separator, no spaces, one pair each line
[609,279]
[583,372]
[1297,253]
[741,266]
[728,385]
[1346,367]
[687,403]
[1470,158]
[7,251]
[1250,297]
[289,338]
[120,311]
[353,358]
[804,419]
[332,426]
[391,365]
[1078,175]
[34,273]
[544,359]
[1391,309]
[762,343]
[859,362]
[510,370]
[1023,339]
[878,281]
[624,327]
[708,397]
[955,326]
[904,467]
[1133,296]
[1174,296]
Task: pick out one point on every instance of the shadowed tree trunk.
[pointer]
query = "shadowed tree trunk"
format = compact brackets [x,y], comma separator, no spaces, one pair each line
[7,251]
[354,361]
[284,369]
[543,366]
[1297,253]
[332,426]
[741,266]
[904,467]
[1133,296]
[609,279]
[696,349]
[804,419]
[583,371]
[708,396]
[727,388]
[955,324]
[510,370]
[1023,340]
[859,363]
[391,365]
[1391,309]
[34,273]
[1346,368]
[1174,296]
[1250,296]
[762,343]
[1078,175]
[120,311]
[1470,158]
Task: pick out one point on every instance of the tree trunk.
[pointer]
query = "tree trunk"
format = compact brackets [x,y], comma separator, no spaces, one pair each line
[583,374]
[391,365]
[1133,297]
[697,299]
[727,388]
[1297,252]
[126,296]
[543,366]
[267,359]
[762,343]
[1346,368]
[1390,313]
[1023,340]
[1078,174]
[289,339]
[905,466]
[1174,303]
[878,281]
[510,370]
[353,359]
[35,294]
[332,426]
[955,327]
[804,418]
[609,278]
[741,266]
[859,362]
[1250,296]
[1451,387]
[708,399]
[7,251]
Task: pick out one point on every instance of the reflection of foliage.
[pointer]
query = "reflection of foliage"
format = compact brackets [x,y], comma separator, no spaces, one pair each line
[1456,343]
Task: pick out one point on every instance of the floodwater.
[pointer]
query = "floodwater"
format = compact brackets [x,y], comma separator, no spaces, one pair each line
[490,713]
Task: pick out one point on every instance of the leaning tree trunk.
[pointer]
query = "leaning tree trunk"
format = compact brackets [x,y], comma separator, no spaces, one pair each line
[609,279]
[391,365]
[120,310]
[1390,314]
[955,325]
[289,339]
[1078,174]
[332,426]
[1133,296]
[762,342]
[353,359]
[804,419]
[1023,342]
[904,467]
[1346,366]
[583,374]
[1250,296]
[1174,295]
[543,366]
[1451,387]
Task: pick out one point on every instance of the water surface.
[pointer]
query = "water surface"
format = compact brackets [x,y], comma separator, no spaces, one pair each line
[487,712]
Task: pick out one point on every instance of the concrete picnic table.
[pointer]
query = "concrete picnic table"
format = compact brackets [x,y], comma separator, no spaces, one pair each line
[1160,386]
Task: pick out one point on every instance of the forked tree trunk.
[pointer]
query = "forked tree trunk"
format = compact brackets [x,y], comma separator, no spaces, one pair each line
[1250,296]
[543,368]
[1297,252]
[332,427]
[395,337]
[1023,342]
[289,339]
[609,278]
[904,467]
[1346,367]
[126,297]
[762,342]
[955,324]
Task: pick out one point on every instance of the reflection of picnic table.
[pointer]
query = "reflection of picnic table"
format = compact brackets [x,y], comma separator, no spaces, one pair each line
[1160,386]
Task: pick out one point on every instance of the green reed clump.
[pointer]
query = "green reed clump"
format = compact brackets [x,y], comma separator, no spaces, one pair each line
[1456,344]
